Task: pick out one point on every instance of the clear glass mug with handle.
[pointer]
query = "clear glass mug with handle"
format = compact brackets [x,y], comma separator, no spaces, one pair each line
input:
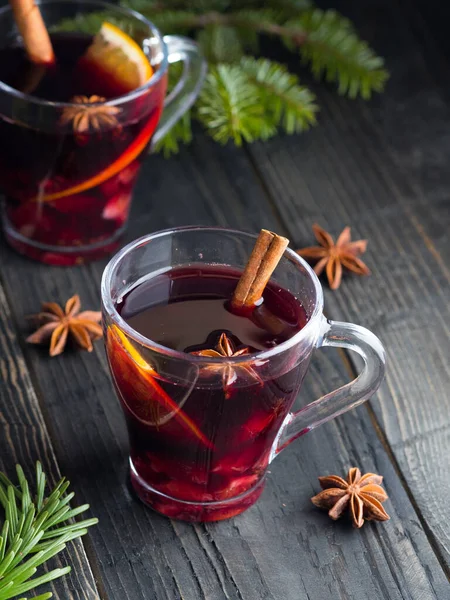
[197,451]
[68,180]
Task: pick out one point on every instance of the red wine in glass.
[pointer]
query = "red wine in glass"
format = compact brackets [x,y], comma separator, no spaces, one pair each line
[201,435]
[68,187]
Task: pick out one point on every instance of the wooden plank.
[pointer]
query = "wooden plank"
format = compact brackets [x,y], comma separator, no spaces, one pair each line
[24,439]
[281,548]
[426,19]
[383,169]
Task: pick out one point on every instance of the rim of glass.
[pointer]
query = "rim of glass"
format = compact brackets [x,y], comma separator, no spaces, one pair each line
[110,308]
[155,33]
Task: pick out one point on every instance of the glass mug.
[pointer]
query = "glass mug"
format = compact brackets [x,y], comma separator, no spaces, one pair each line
[68,193]
[197,453]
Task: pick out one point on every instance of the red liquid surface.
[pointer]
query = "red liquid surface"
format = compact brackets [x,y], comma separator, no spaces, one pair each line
[215,446]
[36,163]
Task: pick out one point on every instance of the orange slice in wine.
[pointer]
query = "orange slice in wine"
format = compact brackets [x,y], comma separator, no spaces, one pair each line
[118,56]
[157,393]
[131,153]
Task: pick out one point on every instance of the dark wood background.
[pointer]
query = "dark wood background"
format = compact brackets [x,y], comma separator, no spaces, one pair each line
[382,167]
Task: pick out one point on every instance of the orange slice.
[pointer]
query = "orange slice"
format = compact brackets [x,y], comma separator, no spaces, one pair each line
[146,372]
[116,54]
[120,57]
[130,154]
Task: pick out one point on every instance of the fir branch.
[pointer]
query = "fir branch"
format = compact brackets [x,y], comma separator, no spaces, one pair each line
[33,532]
[250,100]
[260,21]
[245,99]
[292,7]
[173,21]
[326,40]
[220,44]
[292,106]
[332,47]
[180,134]
[228,107]
[199,6]
[141,6]
[91,23]
[225,38]
[270,22]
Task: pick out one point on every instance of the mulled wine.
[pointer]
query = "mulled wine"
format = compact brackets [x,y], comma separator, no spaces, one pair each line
[202,429]
[68,179]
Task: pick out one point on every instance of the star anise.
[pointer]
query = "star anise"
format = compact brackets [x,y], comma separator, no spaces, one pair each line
[225,348]
[56,325]
[89,114]
[362,495]
[335,256]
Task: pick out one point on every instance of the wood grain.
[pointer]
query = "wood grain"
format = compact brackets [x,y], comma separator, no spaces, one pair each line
[382,168]
[24,439]
[281,548]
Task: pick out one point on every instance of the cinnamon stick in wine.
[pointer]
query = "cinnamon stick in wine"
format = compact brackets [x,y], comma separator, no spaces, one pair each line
[34,32]
[265,256]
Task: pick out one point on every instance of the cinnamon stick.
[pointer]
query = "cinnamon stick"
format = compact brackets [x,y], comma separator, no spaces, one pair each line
[265,256]
[30,78]
[34,32]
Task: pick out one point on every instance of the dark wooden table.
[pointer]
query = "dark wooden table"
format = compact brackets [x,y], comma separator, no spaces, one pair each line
[383,168]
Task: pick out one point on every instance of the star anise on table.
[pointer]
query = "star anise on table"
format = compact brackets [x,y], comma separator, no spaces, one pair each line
[57,325]
[361,495]
[225,348]
[335,256]
[89,114]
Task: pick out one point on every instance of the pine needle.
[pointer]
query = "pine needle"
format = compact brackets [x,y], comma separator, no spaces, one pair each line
[333,49]
[291,105]
[220,44]
[180,134]
[34,530]
[229,107]
[247,98]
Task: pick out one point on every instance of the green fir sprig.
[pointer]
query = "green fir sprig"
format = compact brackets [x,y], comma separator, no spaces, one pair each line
[33,530]
[246,96]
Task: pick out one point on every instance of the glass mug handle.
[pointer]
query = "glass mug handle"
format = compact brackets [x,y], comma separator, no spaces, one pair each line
[184,94]
[339,335]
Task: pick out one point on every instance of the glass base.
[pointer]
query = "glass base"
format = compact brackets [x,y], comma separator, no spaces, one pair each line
[196,512]
[63,256]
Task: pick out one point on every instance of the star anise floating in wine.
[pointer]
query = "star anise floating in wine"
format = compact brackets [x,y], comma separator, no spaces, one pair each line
[225,348]
[89,114]
[334,257]
[57,325]
[361,495]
